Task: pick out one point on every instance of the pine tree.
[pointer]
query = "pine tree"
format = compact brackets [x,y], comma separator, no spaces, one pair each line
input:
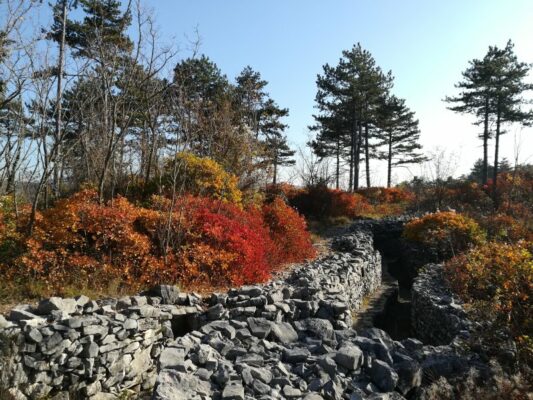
[400,134]
[475,98]
[280,154]
[492,91]
[476,172]
[102,33]
[277,151]
[250,97]
[347,100]
[331,128]
[507,89]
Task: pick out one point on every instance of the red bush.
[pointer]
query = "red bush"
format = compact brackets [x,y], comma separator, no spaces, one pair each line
[224,244]
[193,241]
[506,228]
[288,231]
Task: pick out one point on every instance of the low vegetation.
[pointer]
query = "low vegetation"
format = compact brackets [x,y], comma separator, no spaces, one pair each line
[487,249]
[206,237]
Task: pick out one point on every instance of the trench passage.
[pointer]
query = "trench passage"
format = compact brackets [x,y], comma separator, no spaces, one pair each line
[389,307]
[395,317]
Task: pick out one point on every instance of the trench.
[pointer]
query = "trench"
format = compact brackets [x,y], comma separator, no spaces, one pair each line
[389,307]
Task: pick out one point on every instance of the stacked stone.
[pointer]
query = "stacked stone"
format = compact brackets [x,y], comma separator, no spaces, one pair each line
[95,350]
[306,359]
[437,316]
[291,339]
[328,288]
[288,339]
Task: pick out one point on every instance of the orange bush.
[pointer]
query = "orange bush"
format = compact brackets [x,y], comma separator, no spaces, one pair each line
[445,232]
[193,240]
[501,274]
[288,231]
[379,195]
[506,228]
[79,236]
[322,202]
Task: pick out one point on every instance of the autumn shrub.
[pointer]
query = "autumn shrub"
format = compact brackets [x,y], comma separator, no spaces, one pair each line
[201,176]
[380,195]
[447,232]
[321,202]
[502,227]
[288,231]
[79,237]
[501,275]
[223,244]
[284,190]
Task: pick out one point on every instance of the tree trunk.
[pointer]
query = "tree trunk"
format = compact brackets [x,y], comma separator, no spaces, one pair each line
[485,171]
[389,161]
[275,177]
[59,94]
[367,156]
[150,157]
[338,171]
[357,156]
[352,154]
[496,150]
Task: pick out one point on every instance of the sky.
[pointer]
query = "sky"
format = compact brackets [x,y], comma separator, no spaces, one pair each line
[426,45]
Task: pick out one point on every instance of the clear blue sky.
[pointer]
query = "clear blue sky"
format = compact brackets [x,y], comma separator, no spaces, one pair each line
[426,44]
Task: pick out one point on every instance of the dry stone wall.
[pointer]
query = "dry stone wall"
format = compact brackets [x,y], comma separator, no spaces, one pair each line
[291,338]
[104,349]
[437,316]
[89,349]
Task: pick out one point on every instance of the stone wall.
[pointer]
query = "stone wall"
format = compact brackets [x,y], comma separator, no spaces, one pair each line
[292,339]
[437,316]
[104,349]
[89,349]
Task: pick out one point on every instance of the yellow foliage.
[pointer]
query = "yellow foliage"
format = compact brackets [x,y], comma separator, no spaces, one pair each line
[202,176]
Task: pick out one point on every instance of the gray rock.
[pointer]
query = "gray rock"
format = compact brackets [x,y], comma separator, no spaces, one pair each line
[291,392]
[34,335]
[313,396]
[349,357]
[96,330]
[233,391]
[320,328]
[4,323]
[332,390]
[283,332]
[252,291]
[409,374]
[171,357]
[383,376]
[65,306]
[169,293]
[215,312]
[23,314]
[259,327]
[295,355]
[263,374]
[260,387]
